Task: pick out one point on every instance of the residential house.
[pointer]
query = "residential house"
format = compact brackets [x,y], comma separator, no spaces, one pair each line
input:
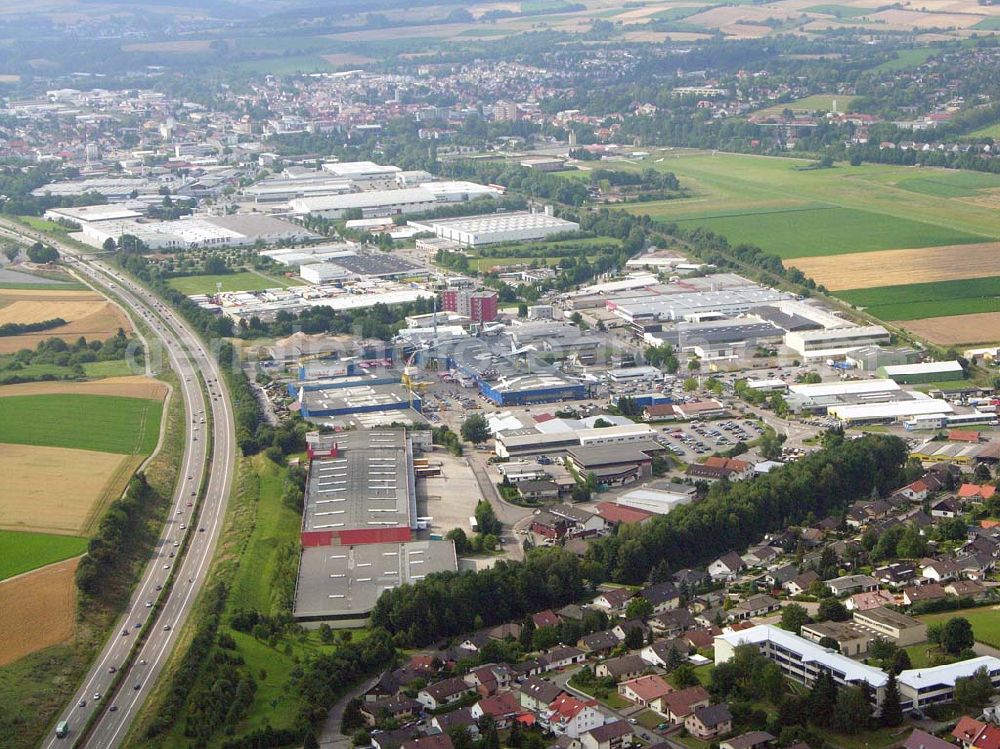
[975,565]
[923,740]
[691,579]
[475,642]
[700,638]
[622,667]
[537,489]
[750,740]
[645,690]
[503,707]
[537,693]
[897,573]
[779,576]
[613,735]
[509,631]
[677,706]
[570,612]
[671,623]
[614,599]
[976,492]
[393,739]
[711,617]
[545,618]
[658,653]
[490,679]
[758,556]
[709,722]
[866,601]
[572,717]
[663,596]
[967,589]
[919,490]
[622,629]
[615,514]
[461,718]
[800,583]
[434,741]
[444,693]
[564,656]
[717,467]
[851,584]
[939,570]
[599,643]
[726,567]
[759,605]
[946,507]
[975,734]
[918,593]
[397,707]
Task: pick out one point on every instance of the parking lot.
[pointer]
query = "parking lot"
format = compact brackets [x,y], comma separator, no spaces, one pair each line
[701,438]
[450,499]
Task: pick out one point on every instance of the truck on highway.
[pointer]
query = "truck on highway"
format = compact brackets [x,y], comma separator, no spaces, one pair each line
[62,730]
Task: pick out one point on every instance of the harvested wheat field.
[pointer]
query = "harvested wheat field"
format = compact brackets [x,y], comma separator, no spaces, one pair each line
[866,270]
[86,313]
[981,327]
[133,386]
[59,490]
[37,610]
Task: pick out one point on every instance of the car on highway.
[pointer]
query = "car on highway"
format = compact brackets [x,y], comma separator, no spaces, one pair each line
[166,627]
[97,696]
[124,633]
[149,604]
[113,708]
[137,686]
[111,669]
[81,703]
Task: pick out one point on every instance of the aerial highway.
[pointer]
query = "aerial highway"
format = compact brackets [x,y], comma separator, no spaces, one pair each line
[162,609]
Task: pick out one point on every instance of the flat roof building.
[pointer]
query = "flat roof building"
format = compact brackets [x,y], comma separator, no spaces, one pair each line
[932,371]
[360,489]
[835,343]
[494,228]
[340,585]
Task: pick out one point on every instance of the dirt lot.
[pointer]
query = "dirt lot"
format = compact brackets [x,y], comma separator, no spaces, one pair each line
[86,313]
[865,270]
[55,490]
[37,610]
[134,386]
[982,327]
[451,497]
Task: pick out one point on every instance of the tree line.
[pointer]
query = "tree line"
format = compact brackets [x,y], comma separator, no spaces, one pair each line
[733,516]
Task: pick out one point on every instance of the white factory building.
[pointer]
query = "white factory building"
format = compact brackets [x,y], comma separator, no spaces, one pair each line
[494,228]
[238,230]
[657,501]
[374,203]
[835,343]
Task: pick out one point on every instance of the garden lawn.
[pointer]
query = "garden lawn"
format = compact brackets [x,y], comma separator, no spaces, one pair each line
[985,622]
[23,552]
[130,426]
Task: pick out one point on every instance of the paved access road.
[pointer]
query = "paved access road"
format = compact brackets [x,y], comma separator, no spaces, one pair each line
[164,609]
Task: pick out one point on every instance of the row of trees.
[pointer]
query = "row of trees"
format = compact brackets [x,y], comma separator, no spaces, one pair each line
[734,515]
[450,603]
[17,328]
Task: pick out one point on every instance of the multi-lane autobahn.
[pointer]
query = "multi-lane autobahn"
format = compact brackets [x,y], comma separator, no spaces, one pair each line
[113,691]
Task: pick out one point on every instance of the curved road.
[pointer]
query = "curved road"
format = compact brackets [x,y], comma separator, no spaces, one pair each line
[164,609]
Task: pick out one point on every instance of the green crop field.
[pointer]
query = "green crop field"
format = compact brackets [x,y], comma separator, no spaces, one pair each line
[827,231]
[795,211]
[907,58]
[130,426]
[23,552]
[921,300]
[985,622]
[243,281]
[815,103]
[988,24]
[990,131]
[839,11]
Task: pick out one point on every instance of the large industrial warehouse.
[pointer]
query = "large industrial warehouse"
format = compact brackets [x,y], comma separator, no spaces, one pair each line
[358,526]
[494,228]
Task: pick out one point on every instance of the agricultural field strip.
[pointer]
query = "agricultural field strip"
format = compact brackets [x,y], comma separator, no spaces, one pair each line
[873,195]
[23,552]
[128,426]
